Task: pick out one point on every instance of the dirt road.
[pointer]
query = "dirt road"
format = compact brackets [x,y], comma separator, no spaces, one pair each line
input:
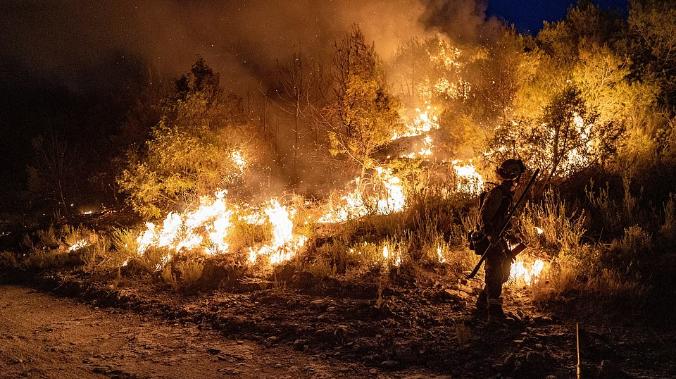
[43,336]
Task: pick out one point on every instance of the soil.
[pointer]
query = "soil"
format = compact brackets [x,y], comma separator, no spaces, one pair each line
[48,337]
[416,329]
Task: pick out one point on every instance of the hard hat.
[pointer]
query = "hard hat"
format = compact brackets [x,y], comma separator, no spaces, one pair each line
[511,169]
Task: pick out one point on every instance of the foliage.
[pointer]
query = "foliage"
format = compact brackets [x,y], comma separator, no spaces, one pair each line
[551,224]
[186,155]
[52,173]
[651,42]
[362,116]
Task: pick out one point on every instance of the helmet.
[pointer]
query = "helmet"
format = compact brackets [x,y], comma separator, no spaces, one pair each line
[511,169]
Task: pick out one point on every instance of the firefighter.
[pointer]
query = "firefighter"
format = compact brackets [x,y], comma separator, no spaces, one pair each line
[493,215]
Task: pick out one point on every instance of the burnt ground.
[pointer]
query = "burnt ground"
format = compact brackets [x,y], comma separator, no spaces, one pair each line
[420,329]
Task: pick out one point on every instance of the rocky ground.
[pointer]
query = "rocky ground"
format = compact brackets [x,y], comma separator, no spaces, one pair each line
[49,337]
[426,329]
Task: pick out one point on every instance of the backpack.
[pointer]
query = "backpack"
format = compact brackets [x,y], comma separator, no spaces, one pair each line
[477,239]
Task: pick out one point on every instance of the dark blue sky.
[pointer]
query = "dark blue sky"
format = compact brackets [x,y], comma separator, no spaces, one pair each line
[528,15]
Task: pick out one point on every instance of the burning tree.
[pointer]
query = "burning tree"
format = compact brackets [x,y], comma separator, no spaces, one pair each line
[195,149]
[363,115]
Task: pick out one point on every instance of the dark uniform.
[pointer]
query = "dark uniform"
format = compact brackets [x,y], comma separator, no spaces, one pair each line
[493,216]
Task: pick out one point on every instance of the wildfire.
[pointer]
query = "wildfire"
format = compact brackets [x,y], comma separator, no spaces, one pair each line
[520,272]
[358,203]
[207,226]
[284,243]
[468,178]
[425,121]
[79,244]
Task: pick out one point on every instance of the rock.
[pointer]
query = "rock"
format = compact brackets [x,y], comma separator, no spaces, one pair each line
[229,371]
[535,357]
[300,344]
[608,369]
[373,371]
[508,363]
[389,364]
[455,294]
[319,304]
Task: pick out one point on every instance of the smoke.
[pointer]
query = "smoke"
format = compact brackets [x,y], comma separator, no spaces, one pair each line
[106,47]
[241,39]
[463,21]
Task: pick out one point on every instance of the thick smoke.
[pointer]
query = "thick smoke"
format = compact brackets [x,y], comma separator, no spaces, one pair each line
[242,39]
[463,21]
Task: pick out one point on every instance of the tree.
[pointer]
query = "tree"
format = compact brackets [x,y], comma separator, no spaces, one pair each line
[191,152]
[652,46]
[363,115]
[52,172]
[561,141]
[201,78]
[300,86]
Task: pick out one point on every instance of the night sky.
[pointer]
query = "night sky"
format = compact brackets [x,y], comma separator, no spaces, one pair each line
[528,15]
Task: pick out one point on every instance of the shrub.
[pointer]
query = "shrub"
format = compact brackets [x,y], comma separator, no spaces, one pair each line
[628,252]
[550,224]
[8,261]
[192,152]
[668,227]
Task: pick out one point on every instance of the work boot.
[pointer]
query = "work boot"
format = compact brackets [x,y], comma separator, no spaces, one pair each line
[481,309]
[495,312]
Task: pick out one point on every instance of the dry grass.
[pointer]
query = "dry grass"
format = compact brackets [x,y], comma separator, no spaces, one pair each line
[551,225]
[668,227]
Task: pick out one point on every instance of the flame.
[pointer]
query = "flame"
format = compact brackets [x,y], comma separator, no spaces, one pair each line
[468,179]
[284,243]
[440,255]
[519,272]
[539,230]
[357,203]
[206,226]
[79,244]
[424,121]
[238,160]
[394,258]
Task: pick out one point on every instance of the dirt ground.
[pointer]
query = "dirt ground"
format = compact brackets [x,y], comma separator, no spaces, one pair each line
[88,327]
[43,336]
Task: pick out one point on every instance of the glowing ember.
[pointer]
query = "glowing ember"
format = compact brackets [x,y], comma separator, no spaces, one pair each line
[519,271]
[468,179]
[539,230]
[79,244]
